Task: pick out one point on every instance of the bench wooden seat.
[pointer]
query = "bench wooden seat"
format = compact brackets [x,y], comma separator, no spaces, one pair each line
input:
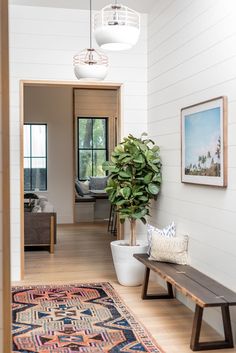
[203,290]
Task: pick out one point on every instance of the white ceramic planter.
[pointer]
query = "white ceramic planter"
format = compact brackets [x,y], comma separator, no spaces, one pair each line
[129,271]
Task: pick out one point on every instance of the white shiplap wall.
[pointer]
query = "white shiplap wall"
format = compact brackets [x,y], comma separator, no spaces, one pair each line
[192,58]
[5,311]
[42,44]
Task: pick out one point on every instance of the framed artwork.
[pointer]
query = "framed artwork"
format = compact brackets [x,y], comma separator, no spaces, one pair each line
[204,142]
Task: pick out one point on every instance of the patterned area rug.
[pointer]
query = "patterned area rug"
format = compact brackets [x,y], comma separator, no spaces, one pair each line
[88,318]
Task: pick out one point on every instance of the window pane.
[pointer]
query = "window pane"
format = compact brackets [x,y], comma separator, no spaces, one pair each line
[26,140]
[85,164]
[85,133]
[99,157]
[99,133]
[38,140]
[27,185]
[39,173]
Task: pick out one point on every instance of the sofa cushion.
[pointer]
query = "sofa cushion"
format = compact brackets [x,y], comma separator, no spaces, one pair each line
[86,198]
[46,206]
[82,188]
[97,183]
[36,209]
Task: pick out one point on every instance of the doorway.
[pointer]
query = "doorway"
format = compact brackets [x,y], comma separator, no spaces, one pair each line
[63,104]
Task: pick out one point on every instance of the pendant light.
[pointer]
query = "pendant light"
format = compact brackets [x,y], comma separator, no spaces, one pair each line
[90,64]
[116,27]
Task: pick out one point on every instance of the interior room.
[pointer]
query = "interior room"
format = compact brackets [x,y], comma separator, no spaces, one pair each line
[54,113]
[117,213]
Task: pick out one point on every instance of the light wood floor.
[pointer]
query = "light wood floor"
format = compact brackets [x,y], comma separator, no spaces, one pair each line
[82,254]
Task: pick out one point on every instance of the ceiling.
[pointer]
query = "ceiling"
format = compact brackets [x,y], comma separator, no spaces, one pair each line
[138,5]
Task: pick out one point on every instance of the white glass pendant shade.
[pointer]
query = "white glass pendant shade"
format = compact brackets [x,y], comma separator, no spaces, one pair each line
[90,65]
[116,27]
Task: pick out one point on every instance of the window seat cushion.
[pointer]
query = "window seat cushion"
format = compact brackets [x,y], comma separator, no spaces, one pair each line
[85,198]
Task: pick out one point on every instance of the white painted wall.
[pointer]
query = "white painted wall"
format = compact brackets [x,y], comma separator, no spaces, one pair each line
[54,106]
[42,44]
[192,58]
[1,220]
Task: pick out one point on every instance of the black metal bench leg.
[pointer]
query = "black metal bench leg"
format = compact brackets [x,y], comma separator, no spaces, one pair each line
[144,295]
[195,345]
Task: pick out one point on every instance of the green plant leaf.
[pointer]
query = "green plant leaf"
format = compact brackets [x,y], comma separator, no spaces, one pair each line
[143,220]
[113,169]
[106,165]
[119,149]
[125,192]
[154,167]
[120,203]
[123,155]
[138,193]
[108,188]
[143,147]
[144,134]
[139,159]
[143,198]
[113,159]
[157,177]
[153,189]
[140,214]
[126,160]
[155,149]
[148,177]
[157,160]
[124,174]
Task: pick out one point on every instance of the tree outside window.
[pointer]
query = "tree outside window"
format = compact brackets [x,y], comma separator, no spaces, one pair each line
[92,145]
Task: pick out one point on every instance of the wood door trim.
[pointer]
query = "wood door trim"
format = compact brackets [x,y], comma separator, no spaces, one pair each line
[5,179]
[73,84]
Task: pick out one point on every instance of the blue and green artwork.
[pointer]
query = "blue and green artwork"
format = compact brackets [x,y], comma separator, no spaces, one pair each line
[203,143]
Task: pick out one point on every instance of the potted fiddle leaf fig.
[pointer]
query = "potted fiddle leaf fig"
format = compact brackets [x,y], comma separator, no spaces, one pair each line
[134,179]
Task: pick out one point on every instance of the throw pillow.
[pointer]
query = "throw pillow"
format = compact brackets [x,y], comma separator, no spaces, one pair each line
[84,185]
[168,231]
[82,188]
[169,249]
[47,207]
[36,209]
[41,200]
[97,183]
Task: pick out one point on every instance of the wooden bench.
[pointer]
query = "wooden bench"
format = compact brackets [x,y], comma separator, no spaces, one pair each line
[203,290]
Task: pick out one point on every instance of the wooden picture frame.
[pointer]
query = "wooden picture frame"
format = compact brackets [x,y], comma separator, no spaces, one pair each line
[204,143]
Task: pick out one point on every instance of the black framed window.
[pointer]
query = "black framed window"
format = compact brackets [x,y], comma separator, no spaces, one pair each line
[35,157]
[92,144]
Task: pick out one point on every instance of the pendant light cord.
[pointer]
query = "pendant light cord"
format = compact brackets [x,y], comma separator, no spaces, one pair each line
[90,24]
